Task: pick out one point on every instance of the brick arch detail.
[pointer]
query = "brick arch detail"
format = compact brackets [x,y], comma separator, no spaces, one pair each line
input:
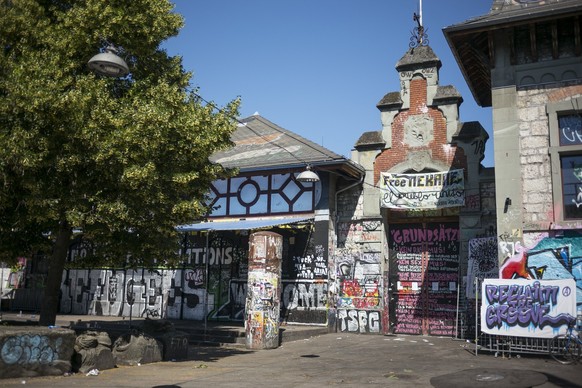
[400,156]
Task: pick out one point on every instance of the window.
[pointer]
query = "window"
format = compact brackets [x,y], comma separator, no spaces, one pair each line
[565,122]
[572,186]
[263,195]
[570,127]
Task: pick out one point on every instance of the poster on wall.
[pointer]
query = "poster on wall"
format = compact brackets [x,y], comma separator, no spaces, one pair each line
[527,308]
[424,268]
[433,190]
[483,262]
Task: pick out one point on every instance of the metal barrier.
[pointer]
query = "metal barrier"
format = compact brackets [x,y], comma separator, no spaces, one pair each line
[507,345]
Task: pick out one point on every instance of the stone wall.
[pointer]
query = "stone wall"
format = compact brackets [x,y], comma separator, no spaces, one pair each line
[35,351]
[534,159]
[534,134]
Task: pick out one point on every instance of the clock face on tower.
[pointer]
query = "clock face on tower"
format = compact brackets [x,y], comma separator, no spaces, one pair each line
[418,131]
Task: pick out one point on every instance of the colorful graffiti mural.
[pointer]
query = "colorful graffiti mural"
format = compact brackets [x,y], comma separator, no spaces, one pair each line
[552,255]
[360,280]
[527,308]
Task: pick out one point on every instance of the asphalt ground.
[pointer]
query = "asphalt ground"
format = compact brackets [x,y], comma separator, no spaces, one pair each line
[335,359]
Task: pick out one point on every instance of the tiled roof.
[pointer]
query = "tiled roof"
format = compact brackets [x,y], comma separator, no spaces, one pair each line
[514,11]
[448,92]
[261,144]
[368,139]
[470,41]
[390,100]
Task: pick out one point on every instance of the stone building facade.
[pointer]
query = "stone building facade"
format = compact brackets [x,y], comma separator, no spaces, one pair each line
[524,61]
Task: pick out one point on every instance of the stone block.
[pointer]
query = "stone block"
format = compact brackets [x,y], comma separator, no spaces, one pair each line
[175,345]
[29,351]
[137,348]
[93,351]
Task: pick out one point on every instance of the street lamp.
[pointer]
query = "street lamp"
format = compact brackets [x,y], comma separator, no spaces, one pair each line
[308,176]
[109,63]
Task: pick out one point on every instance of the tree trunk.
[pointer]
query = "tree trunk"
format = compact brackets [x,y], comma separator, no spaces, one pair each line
[50,300]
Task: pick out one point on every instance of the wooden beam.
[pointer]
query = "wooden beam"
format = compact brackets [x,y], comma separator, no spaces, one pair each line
[555,49]
[511,41]
[532,41]
[577,43]
[491,48]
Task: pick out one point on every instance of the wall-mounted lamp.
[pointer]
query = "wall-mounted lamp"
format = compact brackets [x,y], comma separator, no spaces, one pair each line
[507,204]
[308,176]
[108,63]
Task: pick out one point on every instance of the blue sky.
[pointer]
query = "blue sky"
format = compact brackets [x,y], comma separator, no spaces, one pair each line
[316,67]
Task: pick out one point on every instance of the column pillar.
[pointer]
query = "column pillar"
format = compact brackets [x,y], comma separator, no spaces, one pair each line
[263,302]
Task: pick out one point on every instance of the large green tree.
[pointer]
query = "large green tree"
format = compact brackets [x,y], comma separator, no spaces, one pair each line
[120,161]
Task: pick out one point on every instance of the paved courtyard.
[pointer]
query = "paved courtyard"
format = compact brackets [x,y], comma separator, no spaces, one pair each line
[331,360]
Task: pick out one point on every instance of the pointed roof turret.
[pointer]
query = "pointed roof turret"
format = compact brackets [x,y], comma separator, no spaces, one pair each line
[421,55]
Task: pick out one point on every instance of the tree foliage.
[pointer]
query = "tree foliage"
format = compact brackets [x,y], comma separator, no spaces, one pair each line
[122,161]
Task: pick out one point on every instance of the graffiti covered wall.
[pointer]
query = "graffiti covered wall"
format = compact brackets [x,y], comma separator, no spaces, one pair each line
[553,255]
[359,300]
[216,290]
[360,279]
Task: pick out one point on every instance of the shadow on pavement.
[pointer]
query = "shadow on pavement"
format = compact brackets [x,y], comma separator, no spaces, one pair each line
[560,382]
[212,354]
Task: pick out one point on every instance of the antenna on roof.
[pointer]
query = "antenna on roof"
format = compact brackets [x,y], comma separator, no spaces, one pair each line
[419,36]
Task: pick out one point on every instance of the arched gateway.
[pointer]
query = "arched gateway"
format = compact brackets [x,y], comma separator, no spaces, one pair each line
[426,189]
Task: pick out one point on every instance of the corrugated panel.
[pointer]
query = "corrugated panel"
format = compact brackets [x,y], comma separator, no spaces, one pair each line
[240,224]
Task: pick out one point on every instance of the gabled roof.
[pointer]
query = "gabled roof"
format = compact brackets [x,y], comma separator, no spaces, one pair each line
[472,45]
[505,12]
[260,144]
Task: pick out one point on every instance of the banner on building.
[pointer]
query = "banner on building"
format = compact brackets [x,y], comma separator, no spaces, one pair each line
[527,308]
[432,190]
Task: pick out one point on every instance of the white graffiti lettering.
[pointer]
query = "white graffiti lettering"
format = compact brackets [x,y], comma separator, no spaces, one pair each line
[362,321]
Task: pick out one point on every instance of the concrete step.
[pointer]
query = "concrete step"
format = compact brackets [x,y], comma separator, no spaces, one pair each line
[217,338]
[210,333]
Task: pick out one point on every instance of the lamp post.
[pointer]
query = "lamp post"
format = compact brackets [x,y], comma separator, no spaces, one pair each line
[108,63]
